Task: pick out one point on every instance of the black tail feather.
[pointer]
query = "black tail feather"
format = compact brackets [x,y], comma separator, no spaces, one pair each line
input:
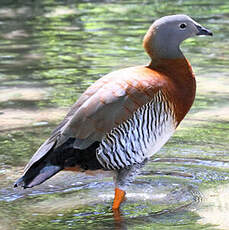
[57,159]
[35,177]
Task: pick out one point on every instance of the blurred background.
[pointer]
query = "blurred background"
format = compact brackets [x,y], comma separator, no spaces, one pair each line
[50,52]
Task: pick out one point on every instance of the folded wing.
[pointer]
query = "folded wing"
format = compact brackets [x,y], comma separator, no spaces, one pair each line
[103,106]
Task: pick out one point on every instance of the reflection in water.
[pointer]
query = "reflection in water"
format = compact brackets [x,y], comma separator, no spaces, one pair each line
[50,51]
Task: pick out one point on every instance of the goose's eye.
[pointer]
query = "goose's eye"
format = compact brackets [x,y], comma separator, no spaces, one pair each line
[183,26]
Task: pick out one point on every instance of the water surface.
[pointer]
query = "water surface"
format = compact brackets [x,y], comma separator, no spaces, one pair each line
[50,52]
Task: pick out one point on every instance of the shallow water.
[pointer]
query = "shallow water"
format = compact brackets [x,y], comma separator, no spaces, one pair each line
[50,52]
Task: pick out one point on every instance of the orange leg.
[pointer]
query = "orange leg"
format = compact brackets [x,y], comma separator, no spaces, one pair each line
[118,199]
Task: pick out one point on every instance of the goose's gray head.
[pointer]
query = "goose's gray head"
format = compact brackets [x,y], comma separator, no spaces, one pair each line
[166,34]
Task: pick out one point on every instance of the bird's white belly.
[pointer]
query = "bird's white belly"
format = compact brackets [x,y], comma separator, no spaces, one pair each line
[139,137]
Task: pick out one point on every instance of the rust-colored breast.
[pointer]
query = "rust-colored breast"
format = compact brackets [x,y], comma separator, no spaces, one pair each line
[180,87]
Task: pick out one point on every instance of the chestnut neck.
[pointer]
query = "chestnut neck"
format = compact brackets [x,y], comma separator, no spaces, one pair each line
[180,86]
[168,60]
[175,67]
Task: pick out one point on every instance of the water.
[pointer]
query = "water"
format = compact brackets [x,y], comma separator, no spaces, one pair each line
[50,52]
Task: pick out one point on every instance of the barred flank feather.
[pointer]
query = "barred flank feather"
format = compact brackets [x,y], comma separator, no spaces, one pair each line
[139,137]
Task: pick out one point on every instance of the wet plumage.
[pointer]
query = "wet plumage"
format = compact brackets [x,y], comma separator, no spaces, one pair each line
[125,117]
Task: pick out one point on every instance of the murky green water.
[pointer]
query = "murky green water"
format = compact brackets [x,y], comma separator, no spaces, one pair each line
[50,52]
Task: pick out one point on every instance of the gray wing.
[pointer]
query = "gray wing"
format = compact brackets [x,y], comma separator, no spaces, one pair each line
[106,104]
